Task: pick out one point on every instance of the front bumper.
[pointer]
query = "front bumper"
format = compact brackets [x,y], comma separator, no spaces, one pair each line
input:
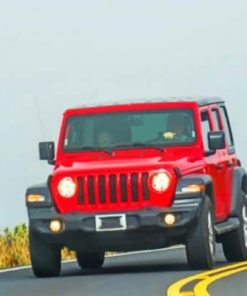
[145,229]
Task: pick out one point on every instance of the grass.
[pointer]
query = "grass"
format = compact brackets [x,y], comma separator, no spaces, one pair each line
[14,250]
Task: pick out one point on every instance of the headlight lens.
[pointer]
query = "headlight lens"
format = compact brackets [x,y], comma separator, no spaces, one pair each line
[160,181]
[66,187]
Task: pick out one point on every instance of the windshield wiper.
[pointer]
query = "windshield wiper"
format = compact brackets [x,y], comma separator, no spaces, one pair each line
[139,145]
[145,145]
[95,149]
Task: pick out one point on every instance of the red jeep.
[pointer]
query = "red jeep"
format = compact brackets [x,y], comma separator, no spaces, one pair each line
[140,175]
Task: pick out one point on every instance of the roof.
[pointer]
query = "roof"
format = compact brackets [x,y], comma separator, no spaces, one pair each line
[202,101]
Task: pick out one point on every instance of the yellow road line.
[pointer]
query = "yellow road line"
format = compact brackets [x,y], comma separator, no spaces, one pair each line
[203,280]
[201,287]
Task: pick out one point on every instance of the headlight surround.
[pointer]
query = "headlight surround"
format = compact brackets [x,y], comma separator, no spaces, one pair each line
[67,187]
[160,181]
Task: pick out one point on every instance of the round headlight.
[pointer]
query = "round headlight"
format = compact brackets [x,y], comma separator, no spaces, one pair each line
[66,187]
[160,181]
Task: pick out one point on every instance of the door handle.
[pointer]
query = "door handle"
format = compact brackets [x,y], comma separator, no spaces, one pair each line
[229,164]
[219,166]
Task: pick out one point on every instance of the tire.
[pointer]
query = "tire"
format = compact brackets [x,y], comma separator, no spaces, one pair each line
[200,246]
[235,242]
[45,258]
[90,260]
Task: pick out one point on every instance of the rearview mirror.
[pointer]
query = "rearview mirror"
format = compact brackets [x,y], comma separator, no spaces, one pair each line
[216,140]
[47,152]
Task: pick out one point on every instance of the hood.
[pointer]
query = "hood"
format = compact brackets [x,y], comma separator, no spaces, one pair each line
[132,160]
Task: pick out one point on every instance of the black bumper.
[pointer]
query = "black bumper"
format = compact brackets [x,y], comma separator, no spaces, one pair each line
[145,229]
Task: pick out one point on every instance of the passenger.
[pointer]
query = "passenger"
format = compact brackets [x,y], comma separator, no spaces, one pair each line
[105,139]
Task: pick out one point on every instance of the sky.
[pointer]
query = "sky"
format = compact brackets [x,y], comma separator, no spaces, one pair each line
[58,54]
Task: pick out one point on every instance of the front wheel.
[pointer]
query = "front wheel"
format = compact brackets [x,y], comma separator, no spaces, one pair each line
[200,246]
[90,260]
[45,258]
[235,242]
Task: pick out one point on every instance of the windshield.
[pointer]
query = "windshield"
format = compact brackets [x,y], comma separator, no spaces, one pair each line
[129,129]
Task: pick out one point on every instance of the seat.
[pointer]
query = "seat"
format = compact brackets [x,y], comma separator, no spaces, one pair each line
[117,129]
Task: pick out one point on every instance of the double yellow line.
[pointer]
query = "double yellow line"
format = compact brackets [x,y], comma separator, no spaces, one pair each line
[201,281]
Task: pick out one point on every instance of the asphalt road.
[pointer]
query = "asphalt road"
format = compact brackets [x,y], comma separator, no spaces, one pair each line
[134,274]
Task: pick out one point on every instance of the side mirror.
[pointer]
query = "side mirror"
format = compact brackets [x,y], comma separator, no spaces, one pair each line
[216,140]
[47,152]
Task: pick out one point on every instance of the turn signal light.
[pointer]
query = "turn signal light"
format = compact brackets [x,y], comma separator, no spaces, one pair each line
[35,198]
[193,188]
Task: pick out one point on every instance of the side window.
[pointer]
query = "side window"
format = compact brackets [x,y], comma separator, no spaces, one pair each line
[206,127]
[216,118]
[227,127]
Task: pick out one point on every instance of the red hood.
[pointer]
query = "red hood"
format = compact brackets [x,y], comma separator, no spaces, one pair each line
[133,160]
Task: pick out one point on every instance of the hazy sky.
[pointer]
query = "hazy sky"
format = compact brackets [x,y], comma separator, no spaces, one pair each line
[57,54]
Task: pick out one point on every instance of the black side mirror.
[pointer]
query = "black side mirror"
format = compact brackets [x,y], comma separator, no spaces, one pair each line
[216,140]
[47,152]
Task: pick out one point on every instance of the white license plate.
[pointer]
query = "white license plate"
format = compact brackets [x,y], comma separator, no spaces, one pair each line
[110,222]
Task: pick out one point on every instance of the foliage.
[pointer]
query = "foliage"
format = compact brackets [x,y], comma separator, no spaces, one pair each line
[14,250]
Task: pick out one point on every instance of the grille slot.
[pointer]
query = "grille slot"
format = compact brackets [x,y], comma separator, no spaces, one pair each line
[134,187]
[145,186]
[113,195]
[101,184]
[80,191]
[113,189]
[123,189]
[91,190]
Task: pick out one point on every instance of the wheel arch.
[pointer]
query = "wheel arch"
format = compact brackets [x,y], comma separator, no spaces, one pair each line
[244,183]
[209,191]
[239,184]
[202,179]
[43,190]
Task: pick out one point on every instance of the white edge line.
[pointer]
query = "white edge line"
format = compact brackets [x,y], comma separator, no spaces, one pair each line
[114,255]
[14,269]
[147,251]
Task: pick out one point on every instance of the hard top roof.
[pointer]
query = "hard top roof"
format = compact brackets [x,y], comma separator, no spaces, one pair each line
[201,101]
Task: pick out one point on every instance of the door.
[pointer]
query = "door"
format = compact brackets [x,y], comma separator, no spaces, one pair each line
[214,163]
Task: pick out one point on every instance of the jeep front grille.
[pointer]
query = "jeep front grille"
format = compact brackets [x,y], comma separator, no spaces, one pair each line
[110,189]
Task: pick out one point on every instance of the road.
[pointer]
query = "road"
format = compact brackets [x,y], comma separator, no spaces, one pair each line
[135,274]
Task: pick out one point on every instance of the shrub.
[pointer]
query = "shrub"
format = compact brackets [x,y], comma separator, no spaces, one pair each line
[14,250]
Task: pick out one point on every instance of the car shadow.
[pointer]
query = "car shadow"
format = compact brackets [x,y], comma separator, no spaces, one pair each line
[133,268]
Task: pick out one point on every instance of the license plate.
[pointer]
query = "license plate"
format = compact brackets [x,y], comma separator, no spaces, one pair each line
[110,222]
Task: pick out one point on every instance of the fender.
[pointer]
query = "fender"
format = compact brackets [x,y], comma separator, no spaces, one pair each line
[193,199]
[41,189]
[198,179]
[239,183]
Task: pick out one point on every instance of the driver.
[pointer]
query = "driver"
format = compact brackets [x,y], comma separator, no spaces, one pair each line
[176,127]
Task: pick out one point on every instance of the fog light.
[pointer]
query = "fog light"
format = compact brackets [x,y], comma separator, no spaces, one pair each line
[169,219]
[56,225]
